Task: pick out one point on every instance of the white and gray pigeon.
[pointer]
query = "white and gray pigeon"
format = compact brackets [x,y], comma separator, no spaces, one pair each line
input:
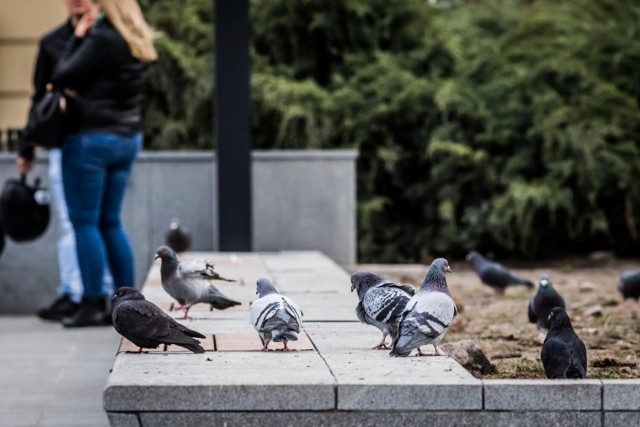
[276,317]
[428,314]
[189,282]
[147,326]
[563,352]
[494,274]
[381,303]
[542,302]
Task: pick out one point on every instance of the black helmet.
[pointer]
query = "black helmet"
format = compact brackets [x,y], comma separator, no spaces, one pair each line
[24,209]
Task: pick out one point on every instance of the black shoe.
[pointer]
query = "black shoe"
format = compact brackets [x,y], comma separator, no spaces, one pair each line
[90,313]
[61,307]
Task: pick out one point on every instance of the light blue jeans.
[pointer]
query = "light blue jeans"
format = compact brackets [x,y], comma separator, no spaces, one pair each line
[96,169]
[70,280]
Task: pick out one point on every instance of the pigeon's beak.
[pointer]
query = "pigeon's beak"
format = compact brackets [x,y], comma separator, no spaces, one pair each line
[448,269]
[156,257]
[353,287]
[113,298]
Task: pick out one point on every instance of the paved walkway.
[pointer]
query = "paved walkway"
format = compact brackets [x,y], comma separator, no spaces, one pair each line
[52,376]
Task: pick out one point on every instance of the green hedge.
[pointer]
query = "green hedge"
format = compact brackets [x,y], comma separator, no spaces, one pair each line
[512,127]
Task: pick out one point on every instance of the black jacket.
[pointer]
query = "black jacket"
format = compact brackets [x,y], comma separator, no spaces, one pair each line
[109,81]
[52,46]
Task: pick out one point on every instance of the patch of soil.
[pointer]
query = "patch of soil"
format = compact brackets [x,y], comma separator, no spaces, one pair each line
[500,327]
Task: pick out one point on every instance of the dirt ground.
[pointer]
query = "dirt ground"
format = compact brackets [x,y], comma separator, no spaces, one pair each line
[609,326]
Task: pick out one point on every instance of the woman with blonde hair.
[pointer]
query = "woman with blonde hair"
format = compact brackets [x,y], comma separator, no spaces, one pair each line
[103,76]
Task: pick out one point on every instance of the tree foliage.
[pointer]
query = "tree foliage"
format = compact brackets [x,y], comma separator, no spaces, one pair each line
[510,126]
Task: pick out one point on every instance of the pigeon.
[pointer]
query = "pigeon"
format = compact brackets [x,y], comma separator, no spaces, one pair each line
[381,303]
[188,282]
[177,237]
[563,353]
[147,326]
[541,304]
[495,275]
[428,313]
[276,317]
[629,285]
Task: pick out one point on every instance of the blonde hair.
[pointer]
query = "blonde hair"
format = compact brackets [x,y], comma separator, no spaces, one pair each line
[127,18]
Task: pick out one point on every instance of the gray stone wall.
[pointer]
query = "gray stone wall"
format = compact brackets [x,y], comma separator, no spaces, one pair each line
[301,200]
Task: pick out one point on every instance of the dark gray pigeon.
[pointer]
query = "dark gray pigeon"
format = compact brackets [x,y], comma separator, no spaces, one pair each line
[276,317]
[189,281]
[542,302]
[563,353]
[381,303]
[178,238]
[147,326]
[495,275]
[629,284]
[428,313]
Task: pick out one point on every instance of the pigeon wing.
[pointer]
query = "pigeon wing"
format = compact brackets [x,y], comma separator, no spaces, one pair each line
[199,268]
[531,313]
[556,357]
[385,303]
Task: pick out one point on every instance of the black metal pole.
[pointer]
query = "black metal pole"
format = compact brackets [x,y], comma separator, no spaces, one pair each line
[233,133]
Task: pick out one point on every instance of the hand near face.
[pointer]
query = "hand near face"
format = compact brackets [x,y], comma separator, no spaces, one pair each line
[85,23]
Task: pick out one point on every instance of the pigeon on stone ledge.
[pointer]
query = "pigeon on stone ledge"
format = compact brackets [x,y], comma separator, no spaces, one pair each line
[188,282]
[428,313]
[563,353]
[147,326]
[542,302]
[276,317]
[495,275]
[177,237]
[381,303]
[629,284]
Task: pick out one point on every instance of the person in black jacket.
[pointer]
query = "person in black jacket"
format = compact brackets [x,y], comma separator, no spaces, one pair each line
[102,73]
[69,292]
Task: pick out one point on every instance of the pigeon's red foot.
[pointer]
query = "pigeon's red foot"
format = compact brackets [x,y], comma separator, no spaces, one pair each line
[179,307]
[381,346]
[421,354]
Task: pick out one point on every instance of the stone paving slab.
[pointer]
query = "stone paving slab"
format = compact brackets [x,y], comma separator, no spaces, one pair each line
[621,395]
[550,395]
[251,342]
[238,381]
[373,418]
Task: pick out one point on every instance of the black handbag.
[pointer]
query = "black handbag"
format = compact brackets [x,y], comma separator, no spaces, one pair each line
[24,209]
[44,126]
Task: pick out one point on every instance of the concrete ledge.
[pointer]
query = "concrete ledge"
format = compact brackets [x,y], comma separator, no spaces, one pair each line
[621,395]
[550,395]
[341,381]
[371,418]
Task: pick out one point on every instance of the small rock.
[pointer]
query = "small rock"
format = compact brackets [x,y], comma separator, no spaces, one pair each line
[594,310]
[469,355]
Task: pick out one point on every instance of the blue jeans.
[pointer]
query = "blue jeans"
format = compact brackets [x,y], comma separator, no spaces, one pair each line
[70,281]
[96,169]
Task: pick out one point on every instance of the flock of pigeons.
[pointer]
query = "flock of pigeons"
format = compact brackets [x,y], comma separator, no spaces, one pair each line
[411,318]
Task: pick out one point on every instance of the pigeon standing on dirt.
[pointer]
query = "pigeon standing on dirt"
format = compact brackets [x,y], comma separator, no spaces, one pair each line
[381,303]
[495,275]
[178,238]
[188,282]
[428,313]
[542,302]
[563,353]
[629,284]
[147,326]
[276,317]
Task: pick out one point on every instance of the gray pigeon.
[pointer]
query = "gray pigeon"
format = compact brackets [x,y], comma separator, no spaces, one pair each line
[495,275]
[563,353]
[541,304]
[381,303]
[188,282]
[428,314]
[276,317]
[146,325]
[178,238]
[629,284]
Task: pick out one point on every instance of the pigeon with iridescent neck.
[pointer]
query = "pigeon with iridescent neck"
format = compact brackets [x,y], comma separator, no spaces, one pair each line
[381,304]
[428,313]
[189,282]
[542,302]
